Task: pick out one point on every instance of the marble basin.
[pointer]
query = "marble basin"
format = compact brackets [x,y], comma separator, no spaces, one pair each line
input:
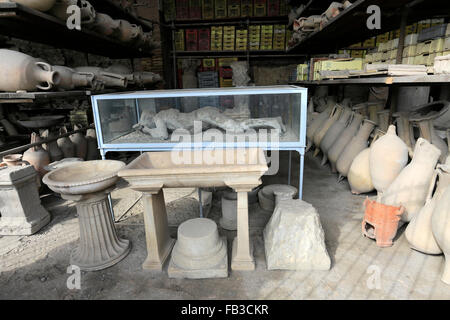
[84,177]
[197,168]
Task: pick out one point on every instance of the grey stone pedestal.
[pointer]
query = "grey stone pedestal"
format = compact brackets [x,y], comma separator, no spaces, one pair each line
[20,207]
[99,245]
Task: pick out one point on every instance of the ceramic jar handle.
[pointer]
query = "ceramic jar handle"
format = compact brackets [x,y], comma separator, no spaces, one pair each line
[46,67]
[432,184]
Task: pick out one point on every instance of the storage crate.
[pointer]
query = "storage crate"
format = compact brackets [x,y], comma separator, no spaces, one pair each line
[234,8]
[191,40]
[409,51]
[393,54]
[412,28]
[216,38]
[411,39]
[276,45]
[259,10]
[182,9]
[220,9]
[179,40]
[225,62]
[226,82]
[209,63]
[169,10]
[432,33]
[204,39]
[302,72]
[246,8]
[273,8]
[369,43]
[357,53]
[208,9]
[422,25]
[195,9]
[408,60]
[447,44]
[338,65]
[423,47]
[437,45]
[225,72]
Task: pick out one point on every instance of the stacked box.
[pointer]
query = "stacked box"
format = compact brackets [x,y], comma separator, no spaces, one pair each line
[369,43]
[208,9]
[208,79]
[216,38]
[209,64]
[283,8]
[288,37]
[422,25]
[191,40]
[412,28]
[273,8]
[220,9]
[228,38]
[266,37]
[225,62]
[241,39]
[195,9]
[169,10]
[246,8]
[254,37]
[79,116]
[226,72]
[179,40]
[182,9]
[259,8]
[234,8]
[302,72]
[382,38]
[226,83]
[409,51]
[212,101]
[357,53]
[204,39]
[279,34]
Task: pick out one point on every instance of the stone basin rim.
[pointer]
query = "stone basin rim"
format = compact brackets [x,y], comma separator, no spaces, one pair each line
[65,184]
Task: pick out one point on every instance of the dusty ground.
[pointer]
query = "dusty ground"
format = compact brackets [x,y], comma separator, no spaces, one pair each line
[34,267]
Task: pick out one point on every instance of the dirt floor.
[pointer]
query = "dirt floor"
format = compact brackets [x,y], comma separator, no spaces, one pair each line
[35,267]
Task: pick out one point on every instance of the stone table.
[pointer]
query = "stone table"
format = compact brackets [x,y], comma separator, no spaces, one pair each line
[239,169]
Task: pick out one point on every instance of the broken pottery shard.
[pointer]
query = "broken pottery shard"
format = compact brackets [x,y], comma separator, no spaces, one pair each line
[294,238]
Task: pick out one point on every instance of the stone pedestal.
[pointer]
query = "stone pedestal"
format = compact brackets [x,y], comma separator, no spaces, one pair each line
[99,245]
[268,194]
[229,211]
[199,251]
[294,238]
[21,212]
[159,242]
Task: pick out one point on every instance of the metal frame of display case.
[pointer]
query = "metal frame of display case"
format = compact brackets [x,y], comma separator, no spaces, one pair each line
[298,146]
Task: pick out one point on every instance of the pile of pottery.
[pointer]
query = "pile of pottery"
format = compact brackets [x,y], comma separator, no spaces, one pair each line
[304,26]
[407,192]
[119,29]
[21,72]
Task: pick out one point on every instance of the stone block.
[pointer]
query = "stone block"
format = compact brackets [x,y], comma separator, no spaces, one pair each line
[294,238]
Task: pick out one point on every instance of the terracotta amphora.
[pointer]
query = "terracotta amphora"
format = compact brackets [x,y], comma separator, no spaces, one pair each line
[80,142]
[361,108]
[41,5]
[410,188]
[52,148]
[108,78]
[92,148]
[373,108]
[88,13]
[70,79]
[105,25]
[428,132]
[343,140]
[23,72]
[334,132]
[322,131]
[127,32]
[383,120]
[419,233]
[405,130]
[36,156]
[354,147]
[440,225]
[65,144]
[143,78]
[359,173]
[439,111]
[388,156]
[315,125]
[381,222]
[13,160]
[447,162]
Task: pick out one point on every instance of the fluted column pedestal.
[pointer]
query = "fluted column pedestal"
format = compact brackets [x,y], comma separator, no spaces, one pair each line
[99,245]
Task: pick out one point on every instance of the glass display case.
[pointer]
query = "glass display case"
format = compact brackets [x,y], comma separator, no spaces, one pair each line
[271,118]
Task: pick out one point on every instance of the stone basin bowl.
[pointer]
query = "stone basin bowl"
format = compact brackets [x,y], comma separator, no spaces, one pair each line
[41,121]
[84,177]
[198,168]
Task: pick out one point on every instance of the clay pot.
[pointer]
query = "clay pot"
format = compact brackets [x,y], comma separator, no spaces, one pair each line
[440,225]
[128,32]
[13,160]
[343,140]
[37,156]
[88,13]
[105,25]
[383,120]
[41,5]
[52,147]
[322,131]
[80,143]
[334,10]
[92,148]
[405,130]
[108,78]
[143,78]
[381,222]
[228,221]
[388,157]
[359,173]
[410,188]
[373,109]
[334,132]
[71,79]
[65,144]
[9,128]
[428,132]
[316,124]
[439,111]
[419,233]
[23,72]
[361,108]
[354,147]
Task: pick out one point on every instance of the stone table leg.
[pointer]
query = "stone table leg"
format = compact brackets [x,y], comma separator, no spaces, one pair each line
[99,246]
[242,255]
[159,243]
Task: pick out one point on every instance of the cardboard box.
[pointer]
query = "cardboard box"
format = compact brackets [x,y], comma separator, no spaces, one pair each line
[220,9]
[208,9]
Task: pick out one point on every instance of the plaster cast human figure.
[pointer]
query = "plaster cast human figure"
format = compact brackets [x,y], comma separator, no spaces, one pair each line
[158,125]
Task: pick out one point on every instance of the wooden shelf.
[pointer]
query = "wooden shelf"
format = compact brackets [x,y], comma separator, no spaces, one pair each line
[252,53]
[383,81]
[229,21]
[30,97]
[351,25]
[24,23]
